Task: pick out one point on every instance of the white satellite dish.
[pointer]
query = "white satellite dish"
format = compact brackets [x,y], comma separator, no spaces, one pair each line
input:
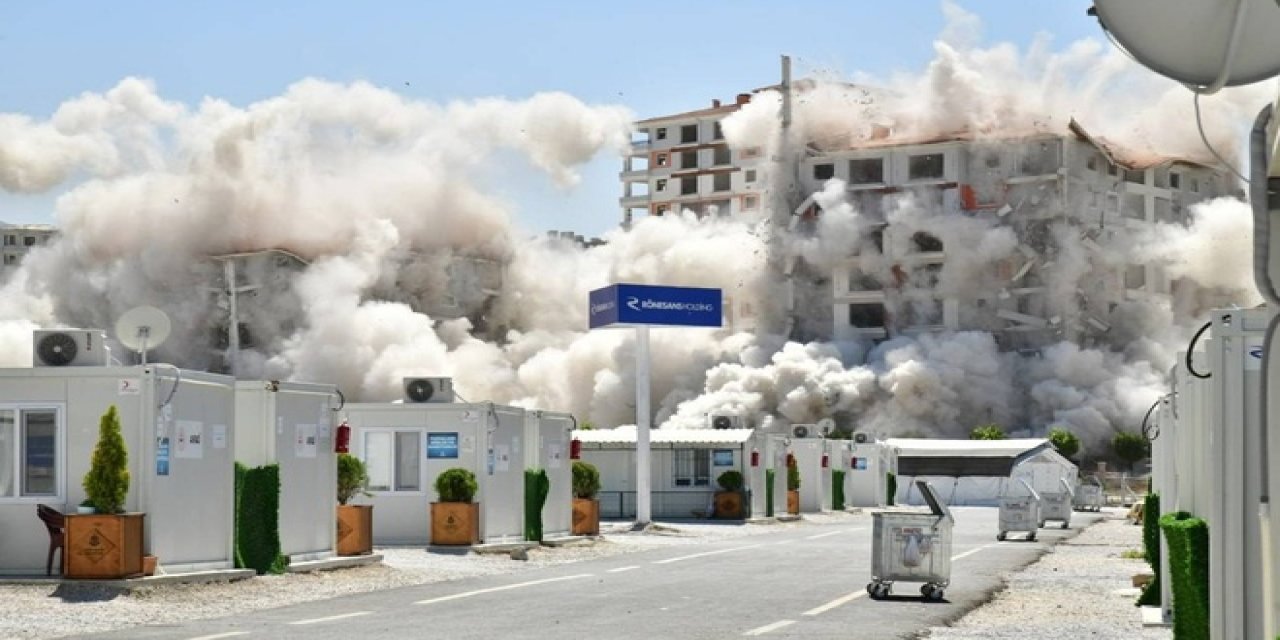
[143,328]
[1206,45]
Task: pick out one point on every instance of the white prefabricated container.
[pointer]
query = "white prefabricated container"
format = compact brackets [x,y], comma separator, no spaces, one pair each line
[866,482]
[178,429]
[912,545]
[548,437]
[1057,505]
[1019,513]
[815,482]
[405,446]
[291,424]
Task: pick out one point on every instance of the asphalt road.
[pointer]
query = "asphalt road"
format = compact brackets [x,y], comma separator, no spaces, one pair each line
[800,582]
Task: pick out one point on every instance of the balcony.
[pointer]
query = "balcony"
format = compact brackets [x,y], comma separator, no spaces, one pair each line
[634,175]
[634,201]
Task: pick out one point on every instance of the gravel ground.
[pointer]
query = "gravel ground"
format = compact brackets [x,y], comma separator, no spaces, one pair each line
[1080,589]
[1077,590]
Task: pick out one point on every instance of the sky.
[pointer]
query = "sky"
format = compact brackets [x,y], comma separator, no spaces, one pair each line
[653,58]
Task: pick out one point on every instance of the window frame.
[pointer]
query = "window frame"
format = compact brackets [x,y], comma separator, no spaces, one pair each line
[684,130]
[365,432]
[59,452]
[693,478]
[942,169]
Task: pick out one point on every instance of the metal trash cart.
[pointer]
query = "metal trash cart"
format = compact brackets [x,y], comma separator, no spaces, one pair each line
[1089,496]
[1020,513]
[1057,505]
[912,546]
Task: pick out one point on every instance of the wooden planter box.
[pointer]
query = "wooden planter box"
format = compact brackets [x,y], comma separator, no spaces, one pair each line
[728,505]
[455,523]
[355,529]
[105,547]
[586,517]
[793,503]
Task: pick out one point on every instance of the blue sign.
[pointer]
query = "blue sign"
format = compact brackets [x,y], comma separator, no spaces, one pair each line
[722,458]
[641,304]
[442,445]
[162,456]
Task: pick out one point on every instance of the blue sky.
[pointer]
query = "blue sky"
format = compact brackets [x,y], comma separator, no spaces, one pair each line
[655,58]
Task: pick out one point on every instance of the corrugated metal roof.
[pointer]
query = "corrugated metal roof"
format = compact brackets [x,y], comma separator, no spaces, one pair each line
[627,435]
[939,448]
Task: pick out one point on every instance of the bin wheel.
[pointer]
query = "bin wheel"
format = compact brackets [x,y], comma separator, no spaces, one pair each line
[871,589]
[935,593]
[1066,525]
[1031,537]
[1001,536]
[878,590]
[1042,523]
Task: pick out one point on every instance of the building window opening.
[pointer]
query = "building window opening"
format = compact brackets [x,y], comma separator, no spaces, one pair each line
[867,315]
[723,156]
[1136,176]
[689,186]
[721,181]
[661,185]
[750,203]
[692,467]
[717,132]
[749,176]
[688,133]
[1175,181]
[393,460]
[662,160]
[29,241]
[926,242]
[825,171]
[689,159]
[1135,277]
[926,167]
[866,171]
[662,133]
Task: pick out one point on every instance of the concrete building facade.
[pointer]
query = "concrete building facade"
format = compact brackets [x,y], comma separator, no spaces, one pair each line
[17,240]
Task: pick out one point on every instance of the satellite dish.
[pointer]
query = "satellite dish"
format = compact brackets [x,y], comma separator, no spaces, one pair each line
[143,328]
[826,426]
[1203,44]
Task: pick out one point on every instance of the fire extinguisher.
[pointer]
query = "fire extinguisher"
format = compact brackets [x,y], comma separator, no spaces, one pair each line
[575,449]
[826,461]
[342,438]
[755,457]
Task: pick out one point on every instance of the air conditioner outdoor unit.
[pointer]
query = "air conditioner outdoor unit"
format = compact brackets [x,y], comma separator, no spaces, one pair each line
[70,348]
[428,389]
[862,437]
[726,422]
[804,431]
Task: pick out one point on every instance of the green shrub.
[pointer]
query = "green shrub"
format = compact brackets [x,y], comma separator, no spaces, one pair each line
[768,493]
[257,535]
[730,481]
[1151,548]
[1188,539]
[987,432]
[793,474]
[456,485]
[891,488]
[586,480]
[1066,442]
[536,488]
[837,489]
[353,477]
[106,485]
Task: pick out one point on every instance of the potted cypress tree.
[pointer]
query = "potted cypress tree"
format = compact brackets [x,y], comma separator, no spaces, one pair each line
[355,521]
[455,519]
[108,543]
[586,509]
[728,500]
[793,485]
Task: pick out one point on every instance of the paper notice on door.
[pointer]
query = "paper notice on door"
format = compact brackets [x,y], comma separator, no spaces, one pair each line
[555,453]
[218,436]
[304,441]
[503,454]
[189,439]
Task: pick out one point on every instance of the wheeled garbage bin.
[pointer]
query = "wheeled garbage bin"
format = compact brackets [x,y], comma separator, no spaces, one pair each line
[1057,505]
[912,546]
[1089,495]
[1020,513]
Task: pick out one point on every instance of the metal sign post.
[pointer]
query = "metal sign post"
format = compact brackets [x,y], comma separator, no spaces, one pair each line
[643,306]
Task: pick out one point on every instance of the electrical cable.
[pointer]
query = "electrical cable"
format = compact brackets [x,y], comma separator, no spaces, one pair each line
[342,399]
[177,379]
[1191,349]
[1146,427]
[1205,139]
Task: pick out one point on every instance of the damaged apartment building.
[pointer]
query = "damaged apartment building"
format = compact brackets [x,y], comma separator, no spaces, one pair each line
[254,291]
[1072,200]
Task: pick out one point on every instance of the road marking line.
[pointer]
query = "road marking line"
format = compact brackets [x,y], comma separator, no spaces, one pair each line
[504,587]
[707,553]
[971,552]
[229,634]
[332,618]
[835,603]
[824,535]
[759,631]
[621,569]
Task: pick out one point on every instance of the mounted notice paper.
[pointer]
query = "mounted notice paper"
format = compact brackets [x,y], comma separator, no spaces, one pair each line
[219,436]
[189,440]
[304,441]
[555,453]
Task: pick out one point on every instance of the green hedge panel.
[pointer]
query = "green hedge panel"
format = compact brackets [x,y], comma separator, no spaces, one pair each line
[258,520]
[837,489]
[768,493]
[892,489]
[1188,539]
[536,488]
[1151,549]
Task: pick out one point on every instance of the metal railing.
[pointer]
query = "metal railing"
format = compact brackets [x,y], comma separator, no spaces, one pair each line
[696,503]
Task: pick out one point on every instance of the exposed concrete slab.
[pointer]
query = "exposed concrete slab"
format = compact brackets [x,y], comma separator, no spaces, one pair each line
[567,541]
[194,577]
[1154,617]
[503,547]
